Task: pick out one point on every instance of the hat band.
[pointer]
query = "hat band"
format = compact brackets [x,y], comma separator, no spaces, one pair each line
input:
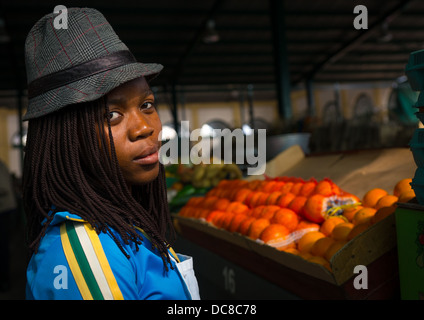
[64,77]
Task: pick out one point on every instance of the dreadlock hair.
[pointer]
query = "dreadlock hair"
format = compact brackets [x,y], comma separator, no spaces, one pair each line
[71,164]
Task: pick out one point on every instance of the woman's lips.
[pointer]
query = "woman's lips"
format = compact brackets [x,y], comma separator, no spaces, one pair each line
[149,159]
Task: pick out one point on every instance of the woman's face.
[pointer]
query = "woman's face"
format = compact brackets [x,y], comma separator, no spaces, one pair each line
[135,126]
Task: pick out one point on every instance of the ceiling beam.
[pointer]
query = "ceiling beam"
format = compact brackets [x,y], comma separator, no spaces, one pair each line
[361,37]
[195,41]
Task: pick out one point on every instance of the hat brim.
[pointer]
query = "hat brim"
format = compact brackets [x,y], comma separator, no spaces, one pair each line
[88,89]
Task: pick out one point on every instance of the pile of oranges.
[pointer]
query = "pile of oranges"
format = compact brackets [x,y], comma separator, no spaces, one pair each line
[273,211]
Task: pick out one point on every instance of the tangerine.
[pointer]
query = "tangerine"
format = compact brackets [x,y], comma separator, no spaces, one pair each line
[291,250]
[273,198]
[386,201]
[286,187]
[274,232]
[372,196]
[358,229]
[308,188]
[297,204]
[406,196]
[382,213]
[226,220]
[402,186]
[333,249]
[242,194]
[286,217]
[329,224]
[237,207]
[285,199]
[304,224]
[307,241]
[269,211]
[349,213]
[235,223]
[324,188]
[321,246]
[314,207]
[296,188]
[221,204]
[341,231]
[363,215]
[245,225]
[256,228]
[320,260]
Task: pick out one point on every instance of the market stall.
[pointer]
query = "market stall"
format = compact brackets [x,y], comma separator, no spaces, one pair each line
[364,267]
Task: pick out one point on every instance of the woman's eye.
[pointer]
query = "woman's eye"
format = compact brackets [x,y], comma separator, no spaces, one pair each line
[148,105]
[113,115]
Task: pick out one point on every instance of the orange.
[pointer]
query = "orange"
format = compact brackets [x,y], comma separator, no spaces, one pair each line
[221,204]
[314,208]
[321,246]
[286,217]
[235,223]
[329,224]
[269,211]
[209,202]
[308,188]
[349,213]
[242,194]
[257,227]
[237,207]
[285,200]
[304,224]
[305,255]
[363,215]
[286,187]
[402,186]
[382,213]
[324,188]
[269,186]
[245,225]
[358,229]
[341,231]
[257,211]
[274,233]
[320,260]
[297,204]
[307,241]
[296,188]
[256,195]
[336,246]
[291,250]
[406,196]
[372,196]
[386,201]
[273,198]
[212,215]
[262,199]
[226,221]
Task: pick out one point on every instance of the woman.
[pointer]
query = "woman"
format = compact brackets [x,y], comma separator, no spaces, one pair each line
[94,190]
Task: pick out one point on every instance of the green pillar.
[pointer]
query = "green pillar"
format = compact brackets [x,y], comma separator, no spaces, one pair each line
[282,74]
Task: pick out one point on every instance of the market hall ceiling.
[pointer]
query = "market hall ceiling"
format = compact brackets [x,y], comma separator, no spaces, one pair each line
[321,43]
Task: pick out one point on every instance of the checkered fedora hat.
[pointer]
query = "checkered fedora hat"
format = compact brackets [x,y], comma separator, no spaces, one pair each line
[77,64]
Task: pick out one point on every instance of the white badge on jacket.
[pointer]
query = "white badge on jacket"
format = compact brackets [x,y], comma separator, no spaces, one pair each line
[185,267]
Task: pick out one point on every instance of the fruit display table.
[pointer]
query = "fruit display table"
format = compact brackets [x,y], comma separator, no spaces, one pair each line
[238,265]
[227,270]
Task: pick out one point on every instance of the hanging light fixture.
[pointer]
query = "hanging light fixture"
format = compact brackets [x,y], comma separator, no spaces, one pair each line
[210,35]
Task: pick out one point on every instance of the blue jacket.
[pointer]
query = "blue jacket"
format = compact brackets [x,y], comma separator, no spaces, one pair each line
[73,262]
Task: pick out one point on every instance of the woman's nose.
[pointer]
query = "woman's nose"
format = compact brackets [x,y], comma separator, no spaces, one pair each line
[139,126]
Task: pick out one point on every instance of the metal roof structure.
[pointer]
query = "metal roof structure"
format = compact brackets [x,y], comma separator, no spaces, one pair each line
[276,43]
